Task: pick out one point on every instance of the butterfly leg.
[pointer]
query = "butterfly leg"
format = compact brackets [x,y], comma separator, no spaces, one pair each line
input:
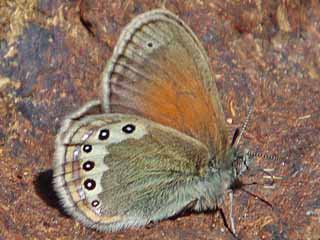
[225,223]
[231,213]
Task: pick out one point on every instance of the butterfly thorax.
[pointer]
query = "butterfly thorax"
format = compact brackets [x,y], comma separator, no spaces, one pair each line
[221,178]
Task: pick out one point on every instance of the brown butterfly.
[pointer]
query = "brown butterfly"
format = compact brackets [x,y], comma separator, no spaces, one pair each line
[157,144]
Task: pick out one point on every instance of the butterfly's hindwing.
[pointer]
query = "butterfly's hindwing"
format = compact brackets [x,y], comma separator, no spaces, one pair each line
[118,170]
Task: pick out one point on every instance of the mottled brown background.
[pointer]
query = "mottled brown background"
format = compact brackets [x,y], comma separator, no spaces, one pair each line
[52,53]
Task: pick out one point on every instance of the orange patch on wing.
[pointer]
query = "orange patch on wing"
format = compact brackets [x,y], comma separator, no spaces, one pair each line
[188,109]
[168,87]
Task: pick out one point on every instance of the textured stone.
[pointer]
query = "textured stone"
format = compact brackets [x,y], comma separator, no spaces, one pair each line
[53,52]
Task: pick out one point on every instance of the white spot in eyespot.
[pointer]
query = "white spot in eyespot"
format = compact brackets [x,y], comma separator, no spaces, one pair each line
[129,128]
[95,203]
[89,184]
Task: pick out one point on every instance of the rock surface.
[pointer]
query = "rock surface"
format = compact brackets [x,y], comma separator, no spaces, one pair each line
[53,52]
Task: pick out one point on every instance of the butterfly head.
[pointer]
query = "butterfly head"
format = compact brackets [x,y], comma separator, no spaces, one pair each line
[241,162]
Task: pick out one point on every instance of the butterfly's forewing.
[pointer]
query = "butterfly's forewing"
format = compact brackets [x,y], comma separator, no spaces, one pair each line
[160,71]
[118,170]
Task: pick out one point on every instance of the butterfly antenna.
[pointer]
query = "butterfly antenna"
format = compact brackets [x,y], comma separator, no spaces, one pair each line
[264,156]
[244,127]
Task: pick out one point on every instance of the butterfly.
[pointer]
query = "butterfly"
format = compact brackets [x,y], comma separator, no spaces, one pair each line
[156,143]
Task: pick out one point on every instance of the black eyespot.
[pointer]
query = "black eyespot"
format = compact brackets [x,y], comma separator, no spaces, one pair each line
[87,148]
[150,44]
[89,184]
[129,128]
[95,203]
[88,165]
[104,134]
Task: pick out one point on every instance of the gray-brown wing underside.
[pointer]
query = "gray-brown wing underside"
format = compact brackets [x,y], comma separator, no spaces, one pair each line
[117,170]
